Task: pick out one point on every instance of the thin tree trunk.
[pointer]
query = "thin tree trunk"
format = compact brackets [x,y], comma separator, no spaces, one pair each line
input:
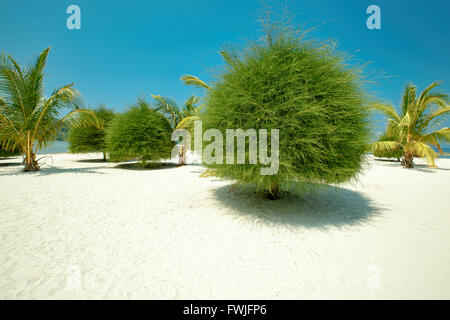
[31,164]
[104,156]
[408,157]
[408,160]
[30,157]
[182,156]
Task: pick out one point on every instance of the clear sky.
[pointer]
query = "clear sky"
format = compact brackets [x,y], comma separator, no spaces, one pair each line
[130,48]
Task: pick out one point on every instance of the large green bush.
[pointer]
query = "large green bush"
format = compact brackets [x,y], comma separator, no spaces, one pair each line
[90,138]
[308,93]
[141,132]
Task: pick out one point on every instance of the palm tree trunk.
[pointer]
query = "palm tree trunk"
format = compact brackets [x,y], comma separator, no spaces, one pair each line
[182,156]
[30,157]
[408,155]
[408,160]
[31,163]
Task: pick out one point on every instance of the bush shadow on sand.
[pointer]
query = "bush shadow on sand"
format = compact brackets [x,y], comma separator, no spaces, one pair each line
[50,170]
[150,167]
[10,164]
[323,208]
[91,161]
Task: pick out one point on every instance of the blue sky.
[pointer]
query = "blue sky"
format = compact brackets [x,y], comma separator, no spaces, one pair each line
[130,48]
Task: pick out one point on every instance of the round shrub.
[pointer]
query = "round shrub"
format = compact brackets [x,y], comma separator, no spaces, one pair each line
[90,138]
[309,94]
[141,133]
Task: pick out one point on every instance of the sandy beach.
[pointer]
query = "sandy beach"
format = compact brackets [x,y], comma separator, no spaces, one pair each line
[82,228]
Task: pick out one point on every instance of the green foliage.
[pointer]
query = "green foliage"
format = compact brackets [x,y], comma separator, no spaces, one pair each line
[180,118]
[4,153]
[414,128]
[194,81]
[28,120]
[308,93]
[141,132]
[90,138]
[387,153]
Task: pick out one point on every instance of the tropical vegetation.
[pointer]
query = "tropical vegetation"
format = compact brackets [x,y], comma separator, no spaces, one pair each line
[306,90]
[28,119]
[90,138]
[180,118]
[396,152]
[141,132]
[4,153]
[415,127]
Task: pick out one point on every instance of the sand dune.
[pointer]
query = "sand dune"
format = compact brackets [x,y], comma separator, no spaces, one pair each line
[81,228]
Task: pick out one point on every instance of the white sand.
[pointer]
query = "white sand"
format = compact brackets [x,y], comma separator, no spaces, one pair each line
[89,230]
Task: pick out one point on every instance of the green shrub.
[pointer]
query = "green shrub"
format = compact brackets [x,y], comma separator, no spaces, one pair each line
[141,132]
[4,154]
[90,138]
[308,93]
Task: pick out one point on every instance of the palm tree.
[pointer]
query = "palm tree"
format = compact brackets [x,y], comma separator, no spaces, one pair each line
[28,120]
[415,127]
[394,153]
[180,118]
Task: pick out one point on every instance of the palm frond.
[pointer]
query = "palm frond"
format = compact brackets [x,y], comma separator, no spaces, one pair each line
[194,81]
[405,121]
[429,118]
[387,110]
[425,152]
[382,146]
[61,98]
[169,107]
[88,119]
[434,138]
[408,98]
[426,92]
[187,123]
[35,79]
[12,85]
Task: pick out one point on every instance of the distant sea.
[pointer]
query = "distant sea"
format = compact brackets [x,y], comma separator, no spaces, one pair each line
[55,147]
[446,149]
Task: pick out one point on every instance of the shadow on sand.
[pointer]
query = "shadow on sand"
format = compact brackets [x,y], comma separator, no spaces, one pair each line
[326,207]
[10,164]
[49,170]
[386,160]
[138,166]
[91,161]
[417,167]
